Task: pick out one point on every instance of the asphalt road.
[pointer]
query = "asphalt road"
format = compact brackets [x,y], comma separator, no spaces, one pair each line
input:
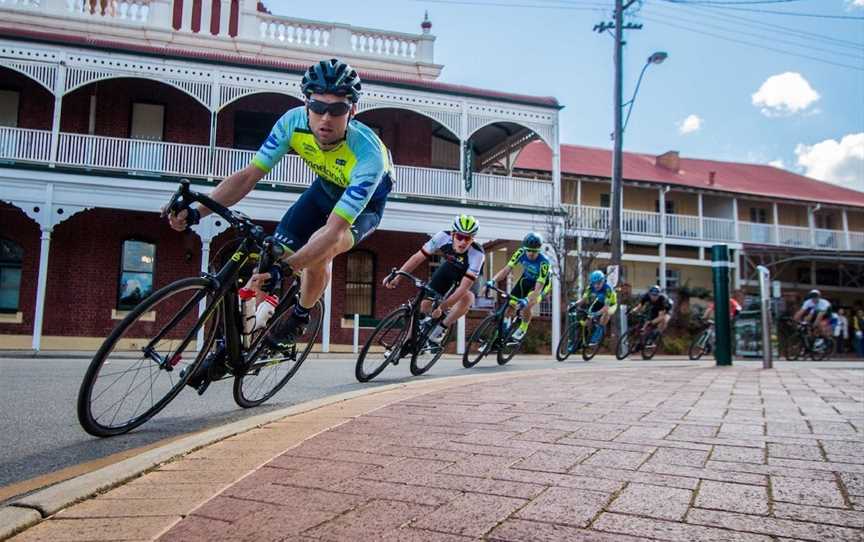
[41,434]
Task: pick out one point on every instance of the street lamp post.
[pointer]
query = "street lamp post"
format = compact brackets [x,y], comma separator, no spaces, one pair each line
[617,153]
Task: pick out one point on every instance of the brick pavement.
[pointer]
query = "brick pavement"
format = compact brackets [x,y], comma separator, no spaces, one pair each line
[698,453]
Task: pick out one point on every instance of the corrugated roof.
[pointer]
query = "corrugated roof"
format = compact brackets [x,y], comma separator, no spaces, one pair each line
[735,177]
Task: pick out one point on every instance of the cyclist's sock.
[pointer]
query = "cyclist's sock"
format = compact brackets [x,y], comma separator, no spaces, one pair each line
[301,311]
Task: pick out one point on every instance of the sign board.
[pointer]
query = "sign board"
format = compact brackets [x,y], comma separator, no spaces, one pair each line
[612,275]
[775,289]
[467,163]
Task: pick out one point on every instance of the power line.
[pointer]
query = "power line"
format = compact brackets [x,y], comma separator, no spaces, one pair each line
[736,31]
[758,45]
[590,6]
[776,12]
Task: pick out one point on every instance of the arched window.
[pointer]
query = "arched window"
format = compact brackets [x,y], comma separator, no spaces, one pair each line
[360,284]
[136,273]
[11,255]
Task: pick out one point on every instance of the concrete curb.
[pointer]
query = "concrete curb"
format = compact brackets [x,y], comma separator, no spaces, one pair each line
[27,511]
[14,519]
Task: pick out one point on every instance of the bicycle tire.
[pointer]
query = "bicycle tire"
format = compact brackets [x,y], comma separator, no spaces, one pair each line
[649,349]
[564,345]
[794,348]
[589,351]
[506,349]
[699,345]
[242,395]
[623,348]
[417,368]
[392,351]
[139,321]
[825,352]
[487,331]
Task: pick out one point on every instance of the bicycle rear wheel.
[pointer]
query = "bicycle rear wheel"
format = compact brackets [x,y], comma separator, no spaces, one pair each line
[147,359]
[481,342]
[652,343]
[426,353]
[569,342]
[389,335]
[824,350]
[270,370]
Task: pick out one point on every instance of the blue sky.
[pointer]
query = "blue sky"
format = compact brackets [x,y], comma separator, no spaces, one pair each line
[809,117]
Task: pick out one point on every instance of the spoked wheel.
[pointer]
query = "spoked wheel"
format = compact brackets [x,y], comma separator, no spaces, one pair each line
[794,348]
[626,343]
[384,346]
[590,350]
[569,342]
[652,343]
[147,359]
[699,346]
[426,353]
[481,342]
[509,345]
[270,369]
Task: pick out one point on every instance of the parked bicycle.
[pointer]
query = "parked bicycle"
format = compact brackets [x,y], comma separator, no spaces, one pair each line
[401,334]
[494,335]
[578,333]
[191,331]
[703,343]
[642,336]
[806,341]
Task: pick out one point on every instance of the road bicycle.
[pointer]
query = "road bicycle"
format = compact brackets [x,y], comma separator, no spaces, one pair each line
[703,343]
[191,332]
[494,335]
[403,332]
[806,341]
[578,333]
[642,336]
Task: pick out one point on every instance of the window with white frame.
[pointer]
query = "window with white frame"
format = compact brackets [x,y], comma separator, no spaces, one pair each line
[673,278]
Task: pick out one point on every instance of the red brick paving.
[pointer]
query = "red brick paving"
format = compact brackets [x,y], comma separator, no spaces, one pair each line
[653,453]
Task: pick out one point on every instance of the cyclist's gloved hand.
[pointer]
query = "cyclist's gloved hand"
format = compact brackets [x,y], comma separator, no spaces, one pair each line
[490,284]
[522,303]
[275,280]
[193,216]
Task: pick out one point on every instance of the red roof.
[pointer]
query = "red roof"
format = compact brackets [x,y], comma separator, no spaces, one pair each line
[735,177]
[238,59]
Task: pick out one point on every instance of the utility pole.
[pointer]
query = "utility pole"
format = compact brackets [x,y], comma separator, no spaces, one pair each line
[619,27]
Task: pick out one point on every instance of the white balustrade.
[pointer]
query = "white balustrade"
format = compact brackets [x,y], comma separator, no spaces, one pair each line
[428,182]
[830,239]
[856,240]
[136,11]
[133,155]
[640,222]
[25,144]
[591,218]
[294,31]
[21,4]
[685,226]
[718,229]
[752,232]
[793,236]
[373,43]
[512,190]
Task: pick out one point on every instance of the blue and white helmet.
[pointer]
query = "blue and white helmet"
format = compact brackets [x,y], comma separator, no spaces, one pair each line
[331,77]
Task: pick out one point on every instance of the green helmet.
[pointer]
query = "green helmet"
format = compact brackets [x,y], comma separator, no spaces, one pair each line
[466,224]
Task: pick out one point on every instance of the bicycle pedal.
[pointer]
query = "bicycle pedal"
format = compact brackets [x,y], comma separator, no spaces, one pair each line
[202,387]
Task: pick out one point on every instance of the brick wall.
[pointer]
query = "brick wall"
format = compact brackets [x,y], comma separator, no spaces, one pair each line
[408,135]
[17,227]
[35,103]
[256,103]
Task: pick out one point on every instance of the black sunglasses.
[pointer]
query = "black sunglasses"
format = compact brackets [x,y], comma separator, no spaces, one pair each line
[336,109]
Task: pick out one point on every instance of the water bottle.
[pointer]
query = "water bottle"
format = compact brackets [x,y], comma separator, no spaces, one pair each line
[247,309]
[265,311]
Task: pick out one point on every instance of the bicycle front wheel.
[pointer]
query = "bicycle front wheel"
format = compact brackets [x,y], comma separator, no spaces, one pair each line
[699,345]
[652,343]
[481,342]
[625,343]
[566,345]
[270,370]
[147,359]
[384,346]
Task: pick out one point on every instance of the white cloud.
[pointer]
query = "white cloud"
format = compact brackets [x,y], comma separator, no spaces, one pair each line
[777,163]
[855,3]
[784,94]
[693,123]
[840,162]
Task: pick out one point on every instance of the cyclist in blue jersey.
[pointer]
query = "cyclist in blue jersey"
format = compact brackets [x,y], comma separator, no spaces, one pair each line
[343,205]
[535,282]
[600,298]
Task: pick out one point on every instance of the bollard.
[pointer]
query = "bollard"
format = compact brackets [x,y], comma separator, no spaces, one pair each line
[765,303]
[622,320]
[720,273]
[356,333]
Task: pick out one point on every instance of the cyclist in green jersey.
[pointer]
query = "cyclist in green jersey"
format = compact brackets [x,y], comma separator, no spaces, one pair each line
[343,205]
[535,282]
